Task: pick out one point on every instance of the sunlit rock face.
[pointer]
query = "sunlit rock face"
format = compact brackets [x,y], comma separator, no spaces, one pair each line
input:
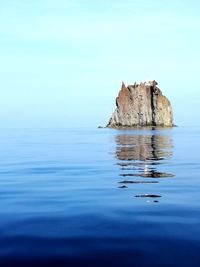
[142,105]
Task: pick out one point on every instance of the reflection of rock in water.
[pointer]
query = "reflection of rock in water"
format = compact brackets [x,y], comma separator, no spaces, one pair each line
[138,182]
[143,147]
[149,174]
[140,156]
[148,195]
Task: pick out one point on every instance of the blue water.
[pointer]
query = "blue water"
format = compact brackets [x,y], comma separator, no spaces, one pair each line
[100,197]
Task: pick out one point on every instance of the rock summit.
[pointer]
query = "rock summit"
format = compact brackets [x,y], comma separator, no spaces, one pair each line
[141,105]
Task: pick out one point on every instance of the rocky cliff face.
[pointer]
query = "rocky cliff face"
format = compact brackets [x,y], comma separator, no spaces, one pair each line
[142,105]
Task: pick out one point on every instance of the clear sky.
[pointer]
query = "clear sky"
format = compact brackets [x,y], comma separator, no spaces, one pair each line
[62,61]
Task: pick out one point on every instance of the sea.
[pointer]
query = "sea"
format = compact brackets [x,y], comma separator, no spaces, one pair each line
[100,197]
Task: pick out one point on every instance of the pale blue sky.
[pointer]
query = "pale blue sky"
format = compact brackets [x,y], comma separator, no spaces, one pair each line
[62,62]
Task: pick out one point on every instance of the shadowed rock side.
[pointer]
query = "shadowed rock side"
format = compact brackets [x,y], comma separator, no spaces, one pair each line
[141,105]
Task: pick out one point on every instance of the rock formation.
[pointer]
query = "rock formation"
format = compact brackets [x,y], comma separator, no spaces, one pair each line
[141,105]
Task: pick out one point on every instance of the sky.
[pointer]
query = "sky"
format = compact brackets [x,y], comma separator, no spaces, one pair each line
[62,61]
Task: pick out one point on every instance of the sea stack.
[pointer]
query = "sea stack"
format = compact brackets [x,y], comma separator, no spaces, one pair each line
[141,105]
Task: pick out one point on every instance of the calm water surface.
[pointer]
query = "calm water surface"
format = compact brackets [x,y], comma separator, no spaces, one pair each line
[100,197]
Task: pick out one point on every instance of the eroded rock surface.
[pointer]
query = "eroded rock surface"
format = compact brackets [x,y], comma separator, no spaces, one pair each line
[141,105]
